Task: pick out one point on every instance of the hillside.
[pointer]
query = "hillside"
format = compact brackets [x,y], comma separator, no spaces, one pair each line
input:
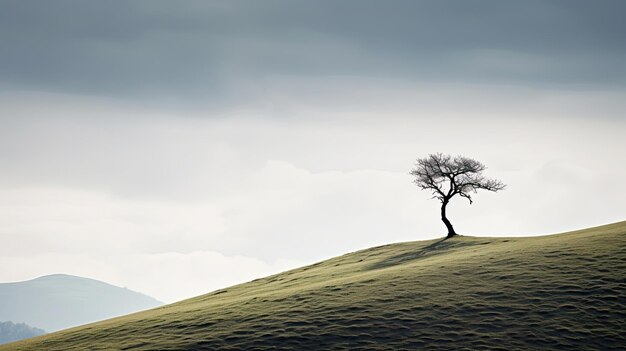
[565,291]
[60,301]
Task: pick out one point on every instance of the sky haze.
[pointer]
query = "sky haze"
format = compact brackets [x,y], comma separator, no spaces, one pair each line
[180,147]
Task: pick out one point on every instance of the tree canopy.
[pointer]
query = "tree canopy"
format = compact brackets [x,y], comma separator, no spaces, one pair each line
[446,176]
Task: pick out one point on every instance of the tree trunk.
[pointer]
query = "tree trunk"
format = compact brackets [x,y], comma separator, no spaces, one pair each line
[445,220]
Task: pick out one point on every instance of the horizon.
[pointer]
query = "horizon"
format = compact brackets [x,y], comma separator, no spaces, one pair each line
[176,149]
[304,265]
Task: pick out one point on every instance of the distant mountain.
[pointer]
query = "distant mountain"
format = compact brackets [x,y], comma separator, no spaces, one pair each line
[60,301]
[10,331]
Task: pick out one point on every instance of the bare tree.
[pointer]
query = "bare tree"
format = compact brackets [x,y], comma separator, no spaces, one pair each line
[446,176]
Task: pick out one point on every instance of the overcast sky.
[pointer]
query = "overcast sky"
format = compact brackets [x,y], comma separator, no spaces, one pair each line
[180,147]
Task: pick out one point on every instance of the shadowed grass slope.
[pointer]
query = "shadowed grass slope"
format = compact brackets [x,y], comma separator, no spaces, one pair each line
[564,291]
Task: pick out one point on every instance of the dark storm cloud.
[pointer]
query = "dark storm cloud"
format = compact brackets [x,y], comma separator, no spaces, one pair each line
[218,50]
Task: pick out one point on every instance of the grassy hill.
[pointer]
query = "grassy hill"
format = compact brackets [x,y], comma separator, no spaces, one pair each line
[565,291]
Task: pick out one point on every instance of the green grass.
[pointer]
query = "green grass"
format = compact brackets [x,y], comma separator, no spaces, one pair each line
[565,291]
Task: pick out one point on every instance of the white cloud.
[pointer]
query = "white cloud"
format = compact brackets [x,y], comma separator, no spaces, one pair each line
[40,220]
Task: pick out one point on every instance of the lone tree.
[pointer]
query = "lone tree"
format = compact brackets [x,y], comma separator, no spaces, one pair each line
[446,176]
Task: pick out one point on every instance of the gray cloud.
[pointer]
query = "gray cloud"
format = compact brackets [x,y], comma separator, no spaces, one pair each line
[198,51]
